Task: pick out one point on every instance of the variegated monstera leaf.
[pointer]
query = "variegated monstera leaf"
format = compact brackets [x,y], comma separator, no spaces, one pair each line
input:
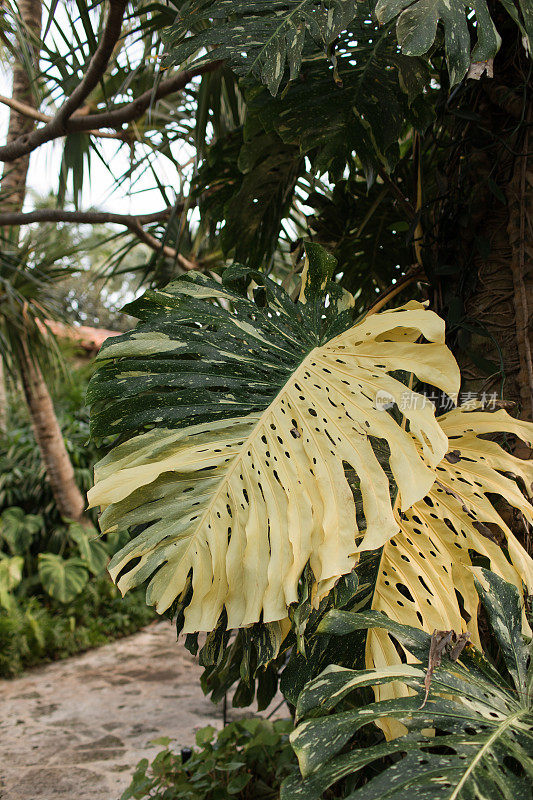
[483,715]
[235,415]
[427,572]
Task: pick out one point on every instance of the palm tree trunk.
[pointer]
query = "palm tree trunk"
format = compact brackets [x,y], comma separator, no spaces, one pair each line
[49,437]
[3,400]
[13,183]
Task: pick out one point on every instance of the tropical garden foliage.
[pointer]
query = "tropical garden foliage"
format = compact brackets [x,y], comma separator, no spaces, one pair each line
[247,759]
[313,447]
[55,596]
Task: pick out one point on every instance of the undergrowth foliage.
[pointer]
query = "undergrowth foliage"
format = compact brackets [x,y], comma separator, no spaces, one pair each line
[55,595]
[56,598]
[248,759]
[33,631]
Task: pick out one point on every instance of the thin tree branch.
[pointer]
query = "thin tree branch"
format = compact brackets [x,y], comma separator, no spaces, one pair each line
[404,201]
[97,66]
[90,217]
[33,113]
[130,111]
[155,244]
[82,121]
[414,273]
[24,109]
[91,123]
[131,222]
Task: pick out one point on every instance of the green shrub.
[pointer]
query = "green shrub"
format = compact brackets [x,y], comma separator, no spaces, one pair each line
[37,561]
[248,759]
[23,481]
[55,596]
[33,630]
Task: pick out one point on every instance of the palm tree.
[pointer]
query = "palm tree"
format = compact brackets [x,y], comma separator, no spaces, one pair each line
[13,181]
[26,290]
[23,91]
[26,301]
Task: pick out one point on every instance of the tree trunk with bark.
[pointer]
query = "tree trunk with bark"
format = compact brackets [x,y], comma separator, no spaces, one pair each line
[13,183]
[482,249]
[46,428]
[49,437]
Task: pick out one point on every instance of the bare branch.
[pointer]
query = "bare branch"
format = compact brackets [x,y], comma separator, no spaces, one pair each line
[24,109]
[414,273]
[130,111]
[129,221]
[91,123]
[90,217]
[33,113]
[404,201]
[97,66]
[156,245]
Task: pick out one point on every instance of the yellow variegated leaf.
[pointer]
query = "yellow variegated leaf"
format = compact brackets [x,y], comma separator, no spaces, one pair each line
[426,578]
[245,502]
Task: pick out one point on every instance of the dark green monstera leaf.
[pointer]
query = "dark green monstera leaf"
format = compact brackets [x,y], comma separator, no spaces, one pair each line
[257,37]
[416,28]
[484,720]
[356,106]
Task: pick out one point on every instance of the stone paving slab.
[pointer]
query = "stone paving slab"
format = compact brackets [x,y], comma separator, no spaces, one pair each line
[75,729]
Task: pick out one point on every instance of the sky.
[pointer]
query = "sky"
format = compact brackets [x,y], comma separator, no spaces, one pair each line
[100,191]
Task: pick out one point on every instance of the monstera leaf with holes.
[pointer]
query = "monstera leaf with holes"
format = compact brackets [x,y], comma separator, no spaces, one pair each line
[426,576]
[484,716]
[363,111]
[260,38]
[416,28]
[350,74]
[234,416]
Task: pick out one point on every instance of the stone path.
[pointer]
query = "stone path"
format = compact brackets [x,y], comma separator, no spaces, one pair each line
[76,729]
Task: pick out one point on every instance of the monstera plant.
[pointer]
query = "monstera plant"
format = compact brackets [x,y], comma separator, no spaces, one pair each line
[235,425]
[249,442]
[483,716]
